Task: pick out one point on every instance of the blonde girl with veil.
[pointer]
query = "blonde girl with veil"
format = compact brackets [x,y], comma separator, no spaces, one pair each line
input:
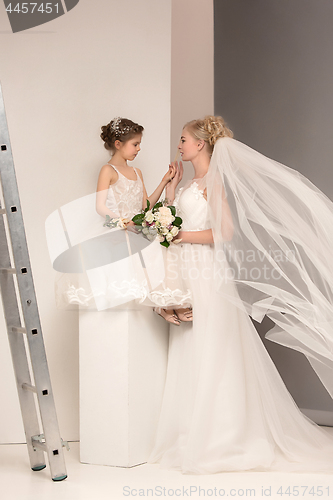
[225,406]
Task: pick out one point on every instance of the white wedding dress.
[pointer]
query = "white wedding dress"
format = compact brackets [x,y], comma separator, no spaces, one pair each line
[225,406]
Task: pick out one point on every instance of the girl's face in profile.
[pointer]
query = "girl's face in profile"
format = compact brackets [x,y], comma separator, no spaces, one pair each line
[188,146]
[129,149]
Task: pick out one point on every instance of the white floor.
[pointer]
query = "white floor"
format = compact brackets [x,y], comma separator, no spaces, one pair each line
[92,482]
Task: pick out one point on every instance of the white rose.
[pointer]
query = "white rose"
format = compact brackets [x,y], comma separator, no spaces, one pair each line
[165,216]
[174,231]
[169,237]
[164,230]
[160,238]
[165,211]
[149,216]
[145,230]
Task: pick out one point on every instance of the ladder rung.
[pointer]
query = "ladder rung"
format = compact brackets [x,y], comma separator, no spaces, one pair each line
[2,210]
[18,329]
[32,388]
[29,387]
[8,270]
[39,442]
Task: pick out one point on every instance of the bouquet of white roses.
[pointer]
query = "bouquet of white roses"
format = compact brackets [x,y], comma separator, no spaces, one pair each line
[161,222]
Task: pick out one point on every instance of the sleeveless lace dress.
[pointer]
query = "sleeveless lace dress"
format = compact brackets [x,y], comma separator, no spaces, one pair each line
[117,277]
[125,196]
[225,406]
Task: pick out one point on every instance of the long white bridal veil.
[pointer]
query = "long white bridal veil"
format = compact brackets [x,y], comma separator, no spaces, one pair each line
[273,233]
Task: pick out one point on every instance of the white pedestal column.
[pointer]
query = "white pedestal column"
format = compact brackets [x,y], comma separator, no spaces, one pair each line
[123,358]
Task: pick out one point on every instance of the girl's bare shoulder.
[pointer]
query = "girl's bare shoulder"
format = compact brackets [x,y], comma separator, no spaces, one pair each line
[108,170]
[139,172]
[107,176]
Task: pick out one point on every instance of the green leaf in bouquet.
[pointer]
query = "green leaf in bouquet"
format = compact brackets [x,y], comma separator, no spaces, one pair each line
[148,206]
[157,206]
[178,221]
[173,210]
[165,244]
[138,219]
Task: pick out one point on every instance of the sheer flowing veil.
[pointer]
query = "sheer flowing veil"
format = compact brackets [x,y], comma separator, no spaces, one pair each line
[273,233]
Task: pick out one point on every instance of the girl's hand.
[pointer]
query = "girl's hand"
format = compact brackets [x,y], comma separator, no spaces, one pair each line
[170,174]
[178,175]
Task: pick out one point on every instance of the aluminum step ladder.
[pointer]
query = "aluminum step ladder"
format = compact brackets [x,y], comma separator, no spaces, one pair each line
[23,324]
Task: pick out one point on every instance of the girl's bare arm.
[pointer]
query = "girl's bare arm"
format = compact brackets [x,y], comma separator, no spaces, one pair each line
[155,196]
[106,177]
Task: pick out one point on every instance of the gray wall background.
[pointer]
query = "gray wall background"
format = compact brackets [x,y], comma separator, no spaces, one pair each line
[274,87]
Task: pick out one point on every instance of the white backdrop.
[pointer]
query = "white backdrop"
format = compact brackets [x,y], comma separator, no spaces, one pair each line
[62,81]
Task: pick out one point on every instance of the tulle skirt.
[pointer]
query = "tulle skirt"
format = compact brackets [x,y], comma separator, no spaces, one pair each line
[225,406]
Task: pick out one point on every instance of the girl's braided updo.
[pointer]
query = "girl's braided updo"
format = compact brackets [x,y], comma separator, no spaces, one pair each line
[209,130]
[119,129]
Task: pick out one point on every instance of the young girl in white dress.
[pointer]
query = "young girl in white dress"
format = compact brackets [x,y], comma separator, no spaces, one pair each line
[121,194]
[108,278]
[225,406]
[120,189]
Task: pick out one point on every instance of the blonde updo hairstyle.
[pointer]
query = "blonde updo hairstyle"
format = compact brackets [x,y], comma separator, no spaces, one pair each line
[209,130]
[119,129]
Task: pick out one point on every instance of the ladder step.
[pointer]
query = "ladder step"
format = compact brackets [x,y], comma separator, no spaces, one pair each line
[29,387]
[32,388]
[18,329]
[8,270]
[38,442]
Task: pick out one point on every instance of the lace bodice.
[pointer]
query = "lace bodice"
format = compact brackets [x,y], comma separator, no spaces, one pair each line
[192,207]
[125,196]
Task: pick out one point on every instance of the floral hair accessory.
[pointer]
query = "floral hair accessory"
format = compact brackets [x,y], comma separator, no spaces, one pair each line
[115,126]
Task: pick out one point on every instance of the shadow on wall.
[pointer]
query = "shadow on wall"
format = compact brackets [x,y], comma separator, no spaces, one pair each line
[273,80]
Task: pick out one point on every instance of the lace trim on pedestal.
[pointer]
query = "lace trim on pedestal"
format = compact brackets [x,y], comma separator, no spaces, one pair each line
[130,289]
[168,297]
